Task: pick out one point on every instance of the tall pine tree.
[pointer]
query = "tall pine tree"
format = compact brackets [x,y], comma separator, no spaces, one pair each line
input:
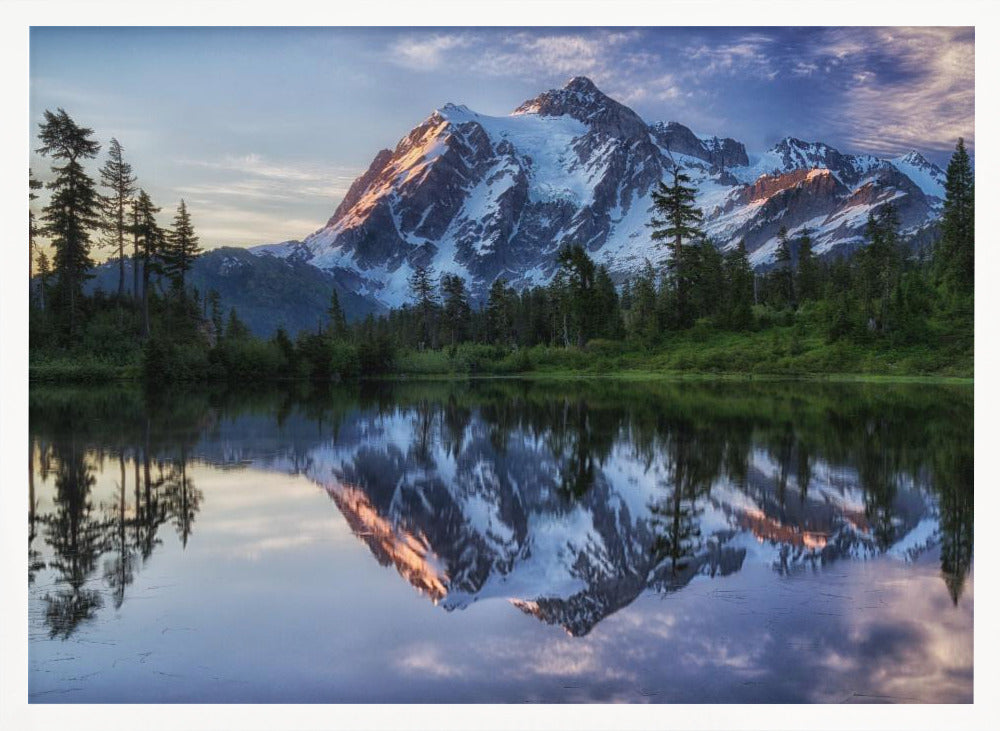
[499,320]
[577,273]
[73,208]
[33,185]
[806,270]
[423,290]
[954,255]
[117,177]
[676,221]
[880,266]
[456,312]
[783,277]
[738,297]
[180,249]
[150,239]
[337,323]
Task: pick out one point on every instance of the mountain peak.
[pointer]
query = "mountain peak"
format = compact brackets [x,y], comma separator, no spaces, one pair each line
[579,98]
[582,85]
[582,100]
[915,158]
[794,143]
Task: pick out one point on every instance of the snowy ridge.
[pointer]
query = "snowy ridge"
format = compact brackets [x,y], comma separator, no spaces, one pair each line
[497,196]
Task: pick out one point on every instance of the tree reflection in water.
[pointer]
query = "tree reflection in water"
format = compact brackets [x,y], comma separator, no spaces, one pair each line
[72,442]
[778,462]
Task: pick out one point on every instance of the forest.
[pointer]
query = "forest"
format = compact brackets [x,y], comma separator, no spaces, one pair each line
[891,307]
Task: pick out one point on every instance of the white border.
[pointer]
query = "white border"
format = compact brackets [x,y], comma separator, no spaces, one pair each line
[15,18]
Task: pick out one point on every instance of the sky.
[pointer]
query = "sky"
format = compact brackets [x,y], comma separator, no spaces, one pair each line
[262,130]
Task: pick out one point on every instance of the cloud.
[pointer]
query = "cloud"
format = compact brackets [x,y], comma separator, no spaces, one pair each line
[526,54]
[908,88]
[749,55]
[426,54]
[256,165]
[250,199]
[236,225]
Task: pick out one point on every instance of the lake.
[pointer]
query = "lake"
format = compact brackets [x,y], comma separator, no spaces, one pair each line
[502,541]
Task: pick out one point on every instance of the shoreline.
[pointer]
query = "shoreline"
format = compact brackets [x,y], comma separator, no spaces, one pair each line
[554,375]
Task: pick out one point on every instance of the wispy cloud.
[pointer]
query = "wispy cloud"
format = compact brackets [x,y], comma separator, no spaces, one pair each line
[427,53]
[907,87]
[237,225]
[750,55]
[526,54]
[248,198]
[257,166]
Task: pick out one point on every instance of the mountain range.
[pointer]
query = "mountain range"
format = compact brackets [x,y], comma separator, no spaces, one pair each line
[487,197]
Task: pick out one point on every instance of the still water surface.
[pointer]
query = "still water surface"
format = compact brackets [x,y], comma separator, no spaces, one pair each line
[503,541]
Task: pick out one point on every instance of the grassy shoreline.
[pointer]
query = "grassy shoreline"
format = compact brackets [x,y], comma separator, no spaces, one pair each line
[778,352]
[74,371]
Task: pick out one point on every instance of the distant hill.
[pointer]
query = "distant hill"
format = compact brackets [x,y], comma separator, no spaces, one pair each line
[266,291]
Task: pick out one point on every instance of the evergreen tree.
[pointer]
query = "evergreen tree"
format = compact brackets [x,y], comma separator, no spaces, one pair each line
[806,274]
[44,275]
[287,349]
[783,276]
[499,319]
[117,177]
[954,255]
[337,321]
[709,281]
[215,312]
[425,296]
[880,265]
[456,312]
[642,317]
[626,294]
[150,241]
[676,221]
[739,284]
[577,274]
[180,248]
[33,185]
[235,329]
[607,310]
[73,208]
[841,315]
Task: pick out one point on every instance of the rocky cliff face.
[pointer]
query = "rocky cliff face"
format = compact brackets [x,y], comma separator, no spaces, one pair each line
[487,197]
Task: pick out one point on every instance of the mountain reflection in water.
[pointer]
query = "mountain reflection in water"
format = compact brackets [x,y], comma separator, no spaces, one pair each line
[568,500]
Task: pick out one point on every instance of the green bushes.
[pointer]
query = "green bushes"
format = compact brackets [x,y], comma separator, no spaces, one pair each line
[166,361]
[345,362]
[246,359]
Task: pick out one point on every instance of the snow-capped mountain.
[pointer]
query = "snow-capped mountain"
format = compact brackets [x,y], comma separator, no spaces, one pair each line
[487,197]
